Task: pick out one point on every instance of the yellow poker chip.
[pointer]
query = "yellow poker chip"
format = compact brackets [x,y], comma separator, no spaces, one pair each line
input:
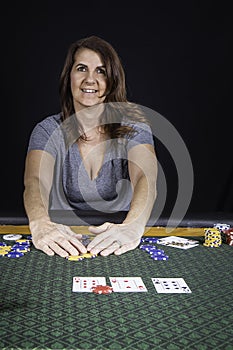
[5,248]
[87,255]
[81,257]
[74,258]
[3,253]
[24,240]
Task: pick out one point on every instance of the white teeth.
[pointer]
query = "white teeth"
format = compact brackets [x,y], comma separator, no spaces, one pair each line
[89,90]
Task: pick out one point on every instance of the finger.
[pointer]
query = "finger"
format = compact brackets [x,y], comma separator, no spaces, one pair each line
[44,248]
[59,250]
[97,244]
[111,249]
[105,242]
[125,248]
[77,244]
[71,243]
[71,246]
[100,228]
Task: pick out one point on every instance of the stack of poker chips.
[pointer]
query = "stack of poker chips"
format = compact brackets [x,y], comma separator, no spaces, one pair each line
[212,237]
[18,249]
[229,236]
[222,227]
[147,245]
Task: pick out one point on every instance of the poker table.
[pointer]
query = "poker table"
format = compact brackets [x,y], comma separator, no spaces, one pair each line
[40,311]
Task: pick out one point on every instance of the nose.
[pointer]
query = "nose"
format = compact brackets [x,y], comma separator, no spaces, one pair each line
[90,78]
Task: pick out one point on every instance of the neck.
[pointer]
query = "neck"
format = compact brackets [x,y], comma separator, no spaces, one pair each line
[89,117]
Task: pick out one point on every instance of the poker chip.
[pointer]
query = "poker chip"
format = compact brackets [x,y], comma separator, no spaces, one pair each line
[3,253]
[23,241]
[159,257]
[100,289]
[147,247]
[5,248]
[149,239]
[74,258]
[81,257]
[229,236]
[154,252]
[221,227]
[13,254]
[88,256]
[18,249]
[212,238]
[12,237]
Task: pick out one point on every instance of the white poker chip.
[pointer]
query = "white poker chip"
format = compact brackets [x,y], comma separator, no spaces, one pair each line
[12,237]
[221,226]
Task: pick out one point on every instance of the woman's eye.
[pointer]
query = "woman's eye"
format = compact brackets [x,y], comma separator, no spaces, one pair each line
[101,71]
[81,69]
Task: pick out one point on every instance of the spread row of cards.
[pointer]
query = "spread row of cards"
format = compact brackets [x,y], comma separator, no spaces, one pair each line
[131,284]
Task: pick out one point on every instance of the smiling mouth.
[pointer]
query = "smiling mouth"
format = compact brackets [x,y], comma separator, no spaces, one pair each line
[89,91]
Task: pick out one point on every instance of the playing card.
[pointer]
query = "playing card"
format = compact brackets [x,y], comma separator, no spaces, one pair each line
[178,242]
[85,284]
[170,285]
[127,284]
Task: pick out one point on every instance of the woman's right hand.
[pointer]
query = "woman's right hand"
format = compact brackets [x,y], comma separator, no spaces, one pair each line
[53,238]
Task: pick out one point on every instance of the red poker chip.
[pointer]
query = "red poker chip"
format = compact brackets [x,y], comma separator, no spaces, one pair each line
[229,236]
[100,289]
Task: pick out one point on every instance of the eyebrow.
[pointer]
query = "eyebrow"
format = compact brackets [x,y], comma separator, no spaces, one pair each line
[83,64]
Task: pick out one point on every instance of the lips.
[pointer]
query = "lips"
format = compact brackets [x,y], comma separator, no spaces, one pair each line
[89,91]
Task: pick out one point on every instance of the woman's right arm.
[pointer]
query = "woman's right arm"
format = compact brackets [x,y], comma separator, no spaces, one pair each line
[47,236]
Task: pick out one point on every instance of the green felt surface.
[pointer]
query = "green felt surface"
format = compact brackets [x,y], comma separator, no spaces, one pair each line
[38,309]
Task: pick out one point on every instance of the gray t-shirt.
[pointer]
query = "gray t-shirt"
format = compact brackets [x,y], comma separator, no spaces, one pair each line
[72,187]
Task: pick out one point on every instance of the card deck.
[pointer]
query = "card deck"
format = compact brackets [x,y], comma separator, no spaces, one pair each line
[85,284]
[127,284]
[170,285]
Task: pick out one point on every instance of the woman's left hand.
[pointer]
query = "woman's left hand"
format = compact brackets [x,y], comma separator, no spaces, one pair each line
[114,238]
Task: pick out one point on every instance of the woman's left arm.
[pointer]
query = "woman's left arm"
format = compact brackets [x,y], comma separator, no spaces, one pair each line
[119,238]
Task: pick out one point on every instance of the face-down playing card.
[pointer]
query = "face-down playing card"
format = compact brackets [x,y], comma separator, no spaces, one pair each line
[127,284]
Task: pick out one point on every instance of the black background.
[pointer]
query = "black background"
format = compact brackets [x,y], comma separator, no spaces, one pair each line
[178,62]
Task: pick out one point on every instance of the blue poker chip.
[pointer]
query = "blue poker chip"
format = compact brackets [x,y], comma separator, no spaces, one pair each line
[2,244]
[158,254]
[18,245]
[149,239]
[147,247]
[159,257]
[13,254]
[20,249]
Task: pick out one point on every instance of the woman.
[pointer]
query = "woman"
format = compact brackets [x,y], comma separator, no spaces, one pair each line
[97,153]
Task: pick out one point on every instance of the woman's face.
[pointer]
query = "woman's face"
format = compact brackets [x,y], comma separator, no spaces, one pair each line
[88,79]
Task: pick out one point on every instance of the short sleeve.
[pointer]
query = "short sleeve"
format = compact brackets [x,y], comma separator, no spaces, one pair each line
[46,136]
[142,135]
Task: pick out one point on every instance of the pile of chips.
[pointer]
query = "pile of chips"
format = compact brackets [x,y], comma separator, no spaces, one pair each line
[151,249]
[229,236]
[81,257]
[212,237]
[100,289]
[18,249]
